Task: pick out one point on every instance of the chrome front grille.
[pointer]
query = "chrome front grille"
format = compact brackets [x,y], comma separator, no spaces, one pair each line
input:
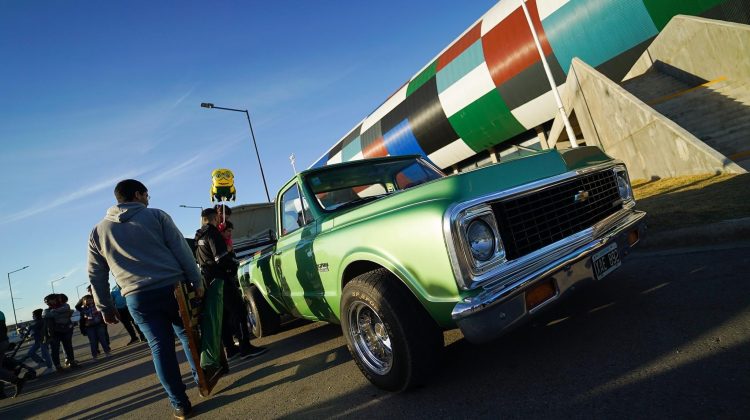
[534,220]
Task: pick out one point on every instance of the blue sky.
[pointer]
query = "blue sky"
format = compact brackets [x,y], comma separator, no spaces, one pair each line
[94,92]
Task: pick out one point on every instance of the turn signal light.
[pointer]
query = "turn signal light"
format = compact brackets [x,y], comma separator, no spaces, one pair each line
[633,237]
[540,294]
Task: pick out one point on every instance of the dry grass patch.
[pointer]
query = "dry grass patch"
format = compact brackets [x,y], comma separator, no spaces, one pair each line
[673,203]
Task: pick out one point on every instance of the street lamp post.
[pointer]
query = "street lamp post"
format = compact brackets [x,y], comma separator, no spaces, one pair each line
[12,302]
[53,283]
[77,292]
[252,134]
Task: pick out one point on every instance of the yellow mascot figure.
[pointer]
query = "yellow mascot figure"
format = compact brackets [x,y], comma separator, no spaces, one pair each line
[222,185]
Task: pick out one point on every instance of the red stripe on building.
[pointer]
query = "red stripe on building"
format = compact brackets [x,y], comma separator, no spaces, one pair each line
[509,47]
[375,149]
[460,46]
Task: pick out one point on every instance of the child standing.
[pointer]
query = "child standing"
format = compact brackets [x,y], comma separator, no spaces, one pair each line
[94,326]
[37,329]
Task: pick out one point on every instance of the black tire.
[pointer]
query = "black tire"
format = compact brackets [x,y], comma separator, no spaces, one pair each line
[385,313]
[263,320]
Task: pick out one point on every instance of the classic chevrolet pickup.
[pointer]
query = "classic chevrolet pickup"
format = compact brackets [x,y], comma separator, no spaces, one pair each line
[395,251]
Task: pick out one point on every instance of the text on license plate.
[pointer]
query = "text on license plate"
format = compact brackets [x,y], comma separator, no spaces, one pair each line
[606,260]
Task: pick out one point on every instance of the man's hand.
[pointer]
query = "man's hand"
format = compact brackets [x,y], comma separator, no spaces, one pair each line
[199,291]
[110,316]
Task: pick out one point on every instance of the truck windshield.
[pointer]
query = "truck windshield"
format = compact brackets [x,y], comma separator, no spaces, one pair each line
[345,186]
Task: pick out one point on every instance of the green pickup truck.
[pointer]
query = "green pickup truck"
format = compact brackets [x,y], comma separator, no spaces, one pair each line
[395,251]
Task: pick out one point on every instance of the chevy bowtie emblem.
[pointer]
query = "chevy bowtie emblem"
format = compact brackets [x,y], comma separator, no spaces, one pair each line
[581,197]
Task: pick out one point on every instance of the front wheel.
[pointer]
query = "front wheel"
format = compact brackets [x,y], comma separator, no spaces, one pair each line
[263,320]
[391,337]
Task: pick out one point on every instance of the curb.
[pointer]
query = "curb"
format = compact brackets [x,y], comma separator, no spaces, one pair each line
[726,231]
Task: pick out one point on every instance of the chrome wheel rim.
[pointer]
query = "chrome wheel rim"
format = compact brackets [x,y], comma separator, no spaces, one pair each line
[370,338]
[251,319]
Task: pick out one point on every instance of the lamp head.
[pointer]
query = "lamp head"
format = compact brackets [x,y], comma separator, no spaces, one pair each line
[207,105]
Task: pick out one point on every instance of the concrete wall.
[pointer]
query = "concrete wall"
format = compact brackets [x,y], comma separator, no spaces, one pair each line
[704,47]
[628,129]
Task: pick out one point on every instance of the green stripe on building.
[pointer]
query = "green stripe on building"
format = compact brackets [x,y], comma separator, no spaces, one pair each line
[485,122]
[421,78]
[662,11]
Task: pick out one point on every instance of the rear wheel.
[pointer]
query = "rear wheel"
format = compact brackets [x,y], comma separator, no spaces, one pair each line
[393,340]
[263,320]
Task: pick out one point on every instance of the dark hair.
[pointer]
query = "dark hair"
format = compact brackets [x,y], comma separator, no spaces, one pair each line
[37,313]
[228,225]
[227,209]
[63,297]
[208,212]
[50,297]
[125,190]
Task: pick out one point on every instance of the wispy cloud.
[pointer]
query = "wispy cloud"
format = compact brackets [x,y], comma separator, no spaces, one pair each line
[182,98]
[163,175]
[190,163]
[66,198]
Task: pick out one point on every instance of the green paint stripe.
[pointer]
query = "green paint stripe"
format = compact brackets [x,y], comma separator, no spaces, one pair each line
[661,11]
[421,78]
[486,122]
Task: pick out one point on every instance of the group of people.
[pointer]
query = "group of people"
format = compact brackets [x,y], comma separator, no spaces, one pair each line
[53,327]
[148,256]
[50,329]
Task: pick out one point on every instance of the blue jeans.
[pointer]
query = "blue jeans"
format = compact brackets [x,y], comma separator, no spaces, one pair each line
[97,334]
[157,315]
[38,345]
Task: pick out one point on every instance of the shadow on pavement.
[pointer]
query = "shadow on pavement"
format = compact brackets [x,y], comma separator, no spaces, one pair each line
[649,341]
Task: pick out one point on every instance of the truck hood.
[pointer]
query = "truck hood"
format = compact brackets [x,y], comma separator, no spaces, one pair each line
[469,185]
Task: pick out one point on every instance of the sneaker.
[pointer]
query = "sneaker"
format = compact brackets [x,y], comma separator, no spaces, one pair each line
[19,386]
[46,371]
[73,364]
[107,354]
[183,412]
[132,341]
[67,362]
[253,352]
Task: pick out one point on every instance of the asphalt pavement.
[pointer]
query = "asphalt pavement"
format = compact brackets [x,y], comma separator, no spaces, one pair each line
[665,336]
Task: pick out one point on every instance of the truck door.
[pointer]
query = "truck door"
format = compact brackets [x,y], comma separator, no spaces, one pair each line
[294,259]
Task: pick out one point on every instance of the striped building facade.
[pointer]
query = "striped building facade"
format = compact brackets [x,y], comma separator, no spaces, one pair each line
[489,87]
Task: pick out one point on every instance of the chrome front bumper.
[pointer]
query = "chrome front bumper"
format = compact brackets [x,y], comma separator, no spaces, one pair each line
[502,304]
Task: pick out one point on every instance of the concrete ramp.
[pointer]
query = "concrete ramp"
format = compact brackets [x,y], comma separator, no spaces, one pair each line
[683,109]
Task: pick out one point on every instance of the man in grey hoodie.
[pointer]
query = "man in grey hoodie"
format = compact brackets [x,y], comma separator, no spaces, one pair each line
[147,256]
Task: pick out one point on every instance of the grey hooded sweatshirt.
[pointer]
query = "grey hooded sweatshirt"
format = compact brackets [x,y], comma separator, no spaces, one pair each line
[142,248]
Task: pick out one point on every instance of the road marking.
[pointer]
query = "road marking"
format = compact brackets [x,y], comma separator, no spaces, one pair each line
[740,155]
[682,92]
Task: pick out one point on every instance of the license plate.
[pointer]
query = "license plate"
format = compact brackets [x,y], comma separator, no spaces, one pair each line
[606,261]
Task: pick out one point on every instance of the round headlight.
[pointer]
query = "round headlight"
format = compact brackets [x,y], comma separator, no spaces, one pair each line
[481,240]
[623,185]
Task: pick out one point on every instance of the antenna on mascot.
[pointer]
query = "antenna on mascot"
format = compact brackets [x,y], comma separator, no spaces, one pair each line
[291,159]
